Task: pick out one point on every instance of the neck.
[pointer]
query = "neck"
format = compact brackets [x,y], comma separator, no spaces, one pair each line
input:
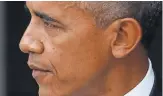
[124,75]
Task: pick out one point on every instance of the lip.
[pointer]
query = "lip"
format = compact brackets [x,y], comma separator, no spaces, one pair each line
[34,67]
[38,71]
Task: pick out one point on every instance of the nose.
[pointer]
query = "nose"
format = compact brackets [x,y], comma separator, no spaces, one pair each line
[28,44]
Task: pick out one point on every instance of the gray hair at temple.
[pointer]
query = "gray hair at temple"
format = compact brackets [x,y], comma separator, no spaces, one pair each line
[145,12]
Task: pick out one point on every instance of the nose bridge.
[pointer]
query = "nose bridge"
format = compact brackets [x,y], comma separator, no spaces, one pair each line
[31,29]
[31,41]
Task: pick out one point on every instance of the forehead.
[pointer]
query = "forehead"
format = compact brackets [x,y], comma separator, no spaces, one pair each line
[52,4]
[57,8]
[62,11]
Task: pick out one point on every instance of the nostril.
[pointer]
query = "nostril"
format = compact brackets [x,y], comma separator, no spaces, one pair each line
[36,47]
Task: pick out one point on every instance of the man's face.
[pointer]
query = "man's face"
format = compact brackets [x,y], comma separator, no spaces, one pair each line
[66,49]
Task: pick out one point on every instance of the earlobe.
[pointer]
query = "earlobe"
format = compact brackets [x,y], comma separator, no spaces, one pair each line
[127,36]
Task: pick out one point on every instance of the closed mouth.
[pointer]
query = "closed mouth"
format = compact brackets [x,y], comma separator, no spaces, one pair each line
[37,68]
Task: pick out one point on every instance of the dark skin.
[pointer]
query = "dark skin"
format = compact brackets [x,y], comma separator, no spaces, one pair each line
[71,56]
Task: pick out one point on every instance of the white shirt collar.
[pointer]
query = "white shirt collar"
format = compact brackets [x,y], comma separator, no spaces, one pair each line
[144,88]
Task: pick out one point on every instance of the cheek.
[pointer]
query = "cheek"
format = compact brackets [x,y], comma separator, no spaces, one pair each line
[75,68]
[76,57]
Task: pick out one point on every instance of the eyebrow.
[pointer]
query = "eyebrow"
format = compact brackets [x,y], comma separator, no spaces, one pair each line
[42,15]
[45,17]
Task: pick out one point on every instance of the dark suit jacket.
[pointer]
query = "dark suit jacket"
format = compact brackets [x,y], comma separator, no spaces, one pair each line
[155,91]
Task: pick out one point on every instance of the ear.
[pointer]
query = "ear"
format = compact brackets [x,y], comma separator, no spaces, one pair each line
[127,35]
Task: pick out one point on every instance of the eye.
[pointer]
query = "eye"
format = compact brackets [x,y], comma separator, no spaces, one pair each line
[49,25]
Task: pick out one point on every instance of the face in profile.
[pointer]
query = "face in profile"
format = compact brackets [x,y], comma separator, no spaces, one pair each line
[67,51]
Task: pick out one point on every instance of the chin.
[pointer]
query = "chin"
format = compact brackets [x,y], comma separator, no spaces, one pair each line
[46,92]
[52,87]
